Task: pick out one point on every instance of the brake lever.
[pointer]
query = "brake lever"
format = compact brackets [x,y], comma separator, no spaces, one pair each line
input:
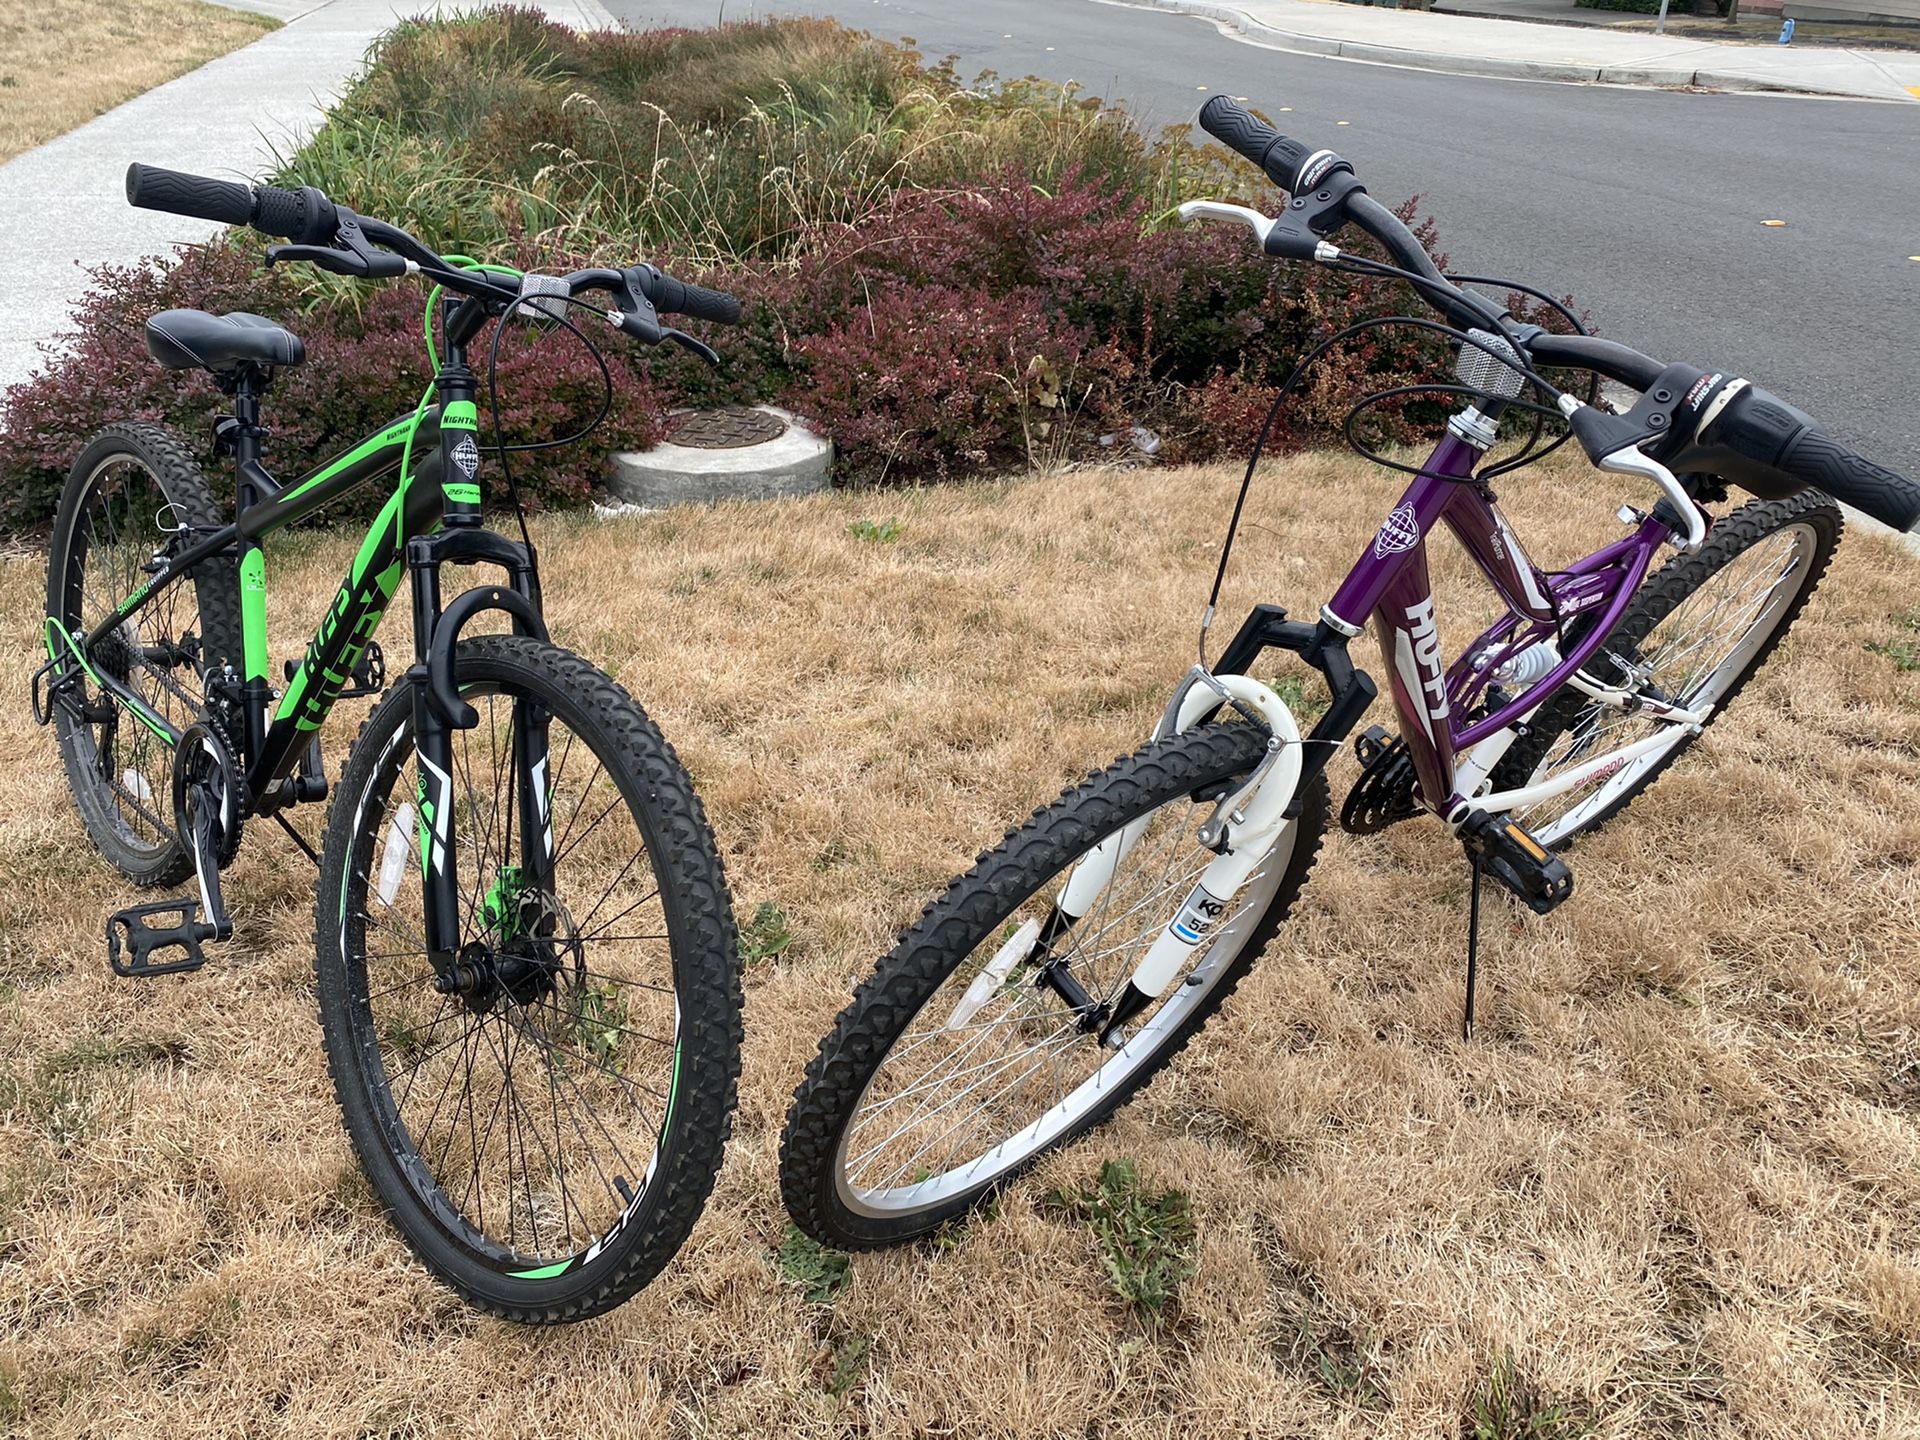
[354,256]
[1287,236]
[1261,225]
[698,347]
[1613,444]
[339,262]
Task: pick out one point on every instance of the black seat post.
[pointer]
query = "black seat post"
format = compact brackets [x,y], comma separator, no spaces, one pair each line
[247,437]
[246,385]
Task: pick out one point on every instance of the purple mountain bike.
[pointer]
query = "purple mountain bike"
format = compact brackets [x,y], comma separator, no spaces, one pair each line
[1057,976]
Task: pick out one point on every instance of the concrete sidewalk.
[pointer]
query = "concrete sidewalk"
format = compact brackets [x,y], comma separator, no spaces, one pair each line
[1464,45]
[63,206]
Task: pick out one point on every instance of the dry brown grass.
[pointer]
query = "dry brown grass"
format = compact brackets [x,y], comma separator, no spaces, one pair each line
[1673,1188]
[62,62]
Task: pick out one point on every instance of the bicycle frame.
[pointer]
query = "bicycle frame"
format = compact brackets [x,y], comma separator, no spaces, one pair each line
[1452,754]
[432,517]
[1390,583]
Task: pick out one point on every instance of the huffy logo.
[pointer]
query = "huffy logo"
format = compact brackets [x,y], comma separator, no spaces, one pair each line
[1399,535]
[1426,651]
[467,456]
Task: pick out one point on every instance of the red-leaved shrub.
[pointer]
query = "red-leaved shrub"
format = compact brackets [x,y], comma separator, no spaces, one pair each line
[950,333]
[365,367]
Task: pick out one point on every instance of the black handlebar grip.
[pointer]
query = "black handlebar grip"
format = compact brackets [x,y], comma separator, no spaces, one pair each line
[701,303]
[676,297]
[1791,447]
[151,188]
[1288,163]
[1820,460]
[304,216]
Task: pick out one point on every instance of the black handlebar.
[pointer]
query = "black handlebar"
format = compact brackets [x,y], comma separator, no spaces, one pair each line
[304,216]
[340,241]
[1755,439]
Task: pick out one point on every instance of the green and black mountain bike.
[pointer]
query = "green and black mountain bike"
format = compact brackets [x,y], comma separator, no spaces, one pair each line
[526,957]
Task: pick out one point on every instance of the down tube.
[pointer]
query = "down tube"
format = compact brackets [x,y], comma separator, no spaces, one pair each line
[1410,646]
[357,608]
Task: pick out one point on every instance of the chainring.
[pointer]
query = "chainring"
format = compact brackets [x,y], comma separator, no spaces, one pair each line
[1383,794]
[203,769]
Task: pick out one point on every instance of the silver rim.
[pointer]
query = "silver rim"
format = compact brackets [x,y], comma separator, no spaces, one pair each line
[1693,655]
[951,1109]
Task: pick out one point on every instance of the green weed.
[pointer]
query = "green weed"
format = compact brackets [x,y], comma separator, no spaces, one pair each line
[1150,1243]
[1307,700]
[766,936]
[1905,654]
[878,532]
[1510,1407]
[601,1021]
[849,1361]
[1345,1365]
[817,1272]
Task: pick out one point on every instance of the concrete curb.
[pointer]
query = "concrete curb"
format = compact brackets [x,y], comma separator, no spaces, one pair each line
[1494,66]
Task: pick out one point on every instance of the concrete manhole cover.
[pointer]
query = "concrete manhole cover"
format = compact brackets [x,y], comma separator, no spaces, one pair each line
[739,453]
[733,428]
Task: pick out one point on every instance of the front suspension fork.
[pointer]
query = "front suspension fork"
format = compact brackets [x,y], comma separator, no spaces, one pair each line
[1246,823]
[439,709]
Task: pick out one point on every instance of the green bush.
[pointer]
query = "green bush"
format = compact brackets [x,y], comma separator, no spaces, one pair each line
[724,145]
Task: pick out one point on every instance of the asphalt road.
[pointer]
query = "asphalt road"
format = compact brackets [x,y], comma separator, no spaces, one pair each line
[1646,205]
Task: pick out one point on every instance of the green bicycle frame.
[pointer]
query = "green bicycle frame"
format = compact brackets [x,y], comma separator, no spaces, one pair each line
[440,493]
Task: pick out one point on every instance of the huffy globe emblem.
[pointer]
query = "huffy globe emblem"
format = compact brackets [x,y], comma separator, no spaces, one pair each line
[1399,535]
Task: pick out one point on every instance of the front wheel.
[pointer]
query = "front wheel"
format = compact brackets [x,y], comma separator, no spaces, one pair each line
[1695,634]
[956,1065]
[544,1134]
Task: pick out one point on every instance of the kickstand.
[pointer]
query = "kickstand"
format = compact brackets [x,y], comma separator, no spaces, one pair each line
[297,839]
[1473,947]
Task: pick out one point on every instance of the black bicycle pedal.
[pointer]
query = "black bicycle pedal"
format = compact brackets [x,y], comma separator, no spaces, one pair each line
[143,939]
[369,674]
[1509,853]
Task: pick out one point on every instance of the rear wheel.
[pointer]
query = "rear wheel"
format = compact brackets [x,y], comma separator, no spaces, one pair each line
[133,496]
[546,1135]
[955,1068]
[1696,633]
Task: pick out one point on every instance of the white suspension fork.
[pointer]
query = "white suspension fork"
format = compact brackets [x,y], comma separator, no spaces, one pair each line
[1199,694]
[1245,826]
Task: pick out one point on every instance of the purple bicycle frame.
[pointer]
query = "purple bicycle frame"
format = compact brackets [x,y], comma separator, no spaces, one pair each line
[1391,584]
